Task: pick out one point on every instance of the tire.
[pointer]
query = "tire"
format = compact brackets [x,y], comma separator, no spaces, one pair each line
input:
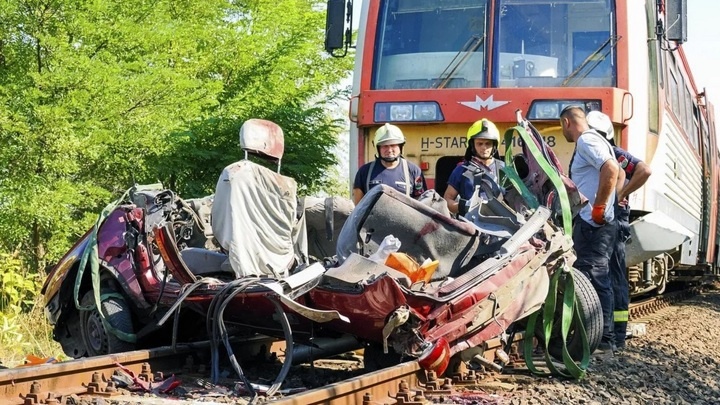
[99,341]
[592,319]
[69,335]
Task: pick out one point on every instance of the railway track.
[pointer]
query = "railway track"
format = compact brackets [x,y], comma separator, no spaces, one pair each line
[53,383]
[406,383]
[643,309]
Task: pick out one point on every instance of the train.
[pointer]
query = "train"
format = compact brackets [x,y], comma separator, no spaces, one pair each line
[433,67]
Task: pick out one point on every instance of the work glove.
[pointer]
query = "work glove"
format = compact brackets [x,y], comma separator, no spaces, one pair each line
[463,206]
[598,214]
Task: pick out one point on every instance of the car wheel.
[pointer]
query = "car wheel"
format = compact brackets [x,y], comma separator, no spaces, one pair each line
[98,340]
[69,334]
[590,313]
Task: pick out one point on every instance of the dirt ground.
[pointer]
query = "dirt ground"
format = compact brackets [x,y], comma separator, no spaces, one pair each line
[676,362]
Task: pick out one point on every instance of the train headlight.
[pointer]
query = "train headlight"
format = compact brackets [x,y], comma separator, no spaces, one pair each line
[550,109]
[426,111]
[401,112]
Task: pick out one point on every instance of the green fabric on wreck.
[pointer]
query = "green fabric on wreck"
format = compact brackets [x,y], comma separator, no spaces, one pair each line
[569,304]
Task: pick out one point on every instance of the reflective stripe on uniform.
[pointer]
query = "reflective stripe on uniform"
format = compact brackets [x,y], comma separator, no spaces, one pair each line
[620,316]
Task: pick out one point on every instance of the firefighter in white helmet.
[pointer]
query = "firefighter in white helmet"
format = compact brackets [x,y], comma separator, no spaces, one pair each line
[634,173]
[389,167]
[481,160]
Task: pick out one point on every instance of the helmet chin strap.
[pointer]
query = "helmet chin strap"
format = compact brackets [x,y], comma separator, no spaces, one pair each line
[389,159]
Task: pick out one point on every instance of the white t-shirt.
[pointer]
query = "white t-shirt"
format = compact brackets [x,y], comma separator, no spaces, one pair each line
[591,152]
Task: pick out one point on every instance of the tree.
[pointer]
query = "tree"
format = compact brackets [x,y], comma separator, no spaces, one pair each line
[95,96]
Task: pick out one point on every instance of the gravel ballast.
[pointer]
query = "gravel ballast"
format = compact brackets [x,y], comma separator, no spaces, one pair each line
[675,362]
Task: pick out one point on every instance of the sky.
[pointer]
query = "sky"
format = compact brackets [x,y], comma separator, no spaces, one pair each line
[701,47]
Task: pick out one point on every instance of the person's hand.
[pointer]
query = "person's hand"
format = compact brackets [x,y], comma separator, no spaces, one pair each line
[598,214]
[621,196]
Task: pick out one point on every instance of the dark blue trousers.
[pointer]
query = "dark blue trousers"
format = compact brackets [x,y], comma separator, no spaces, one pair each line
[593,247]
[618,275]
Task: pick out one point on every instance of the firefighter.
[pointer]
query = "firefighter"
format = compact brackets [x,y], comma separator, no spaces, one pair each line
[389,167]
[594,170]
[636,174]
[481,160]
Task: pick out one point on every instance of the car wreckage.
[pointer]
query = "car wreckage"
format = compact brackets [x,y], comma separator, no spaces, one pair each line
[400,277]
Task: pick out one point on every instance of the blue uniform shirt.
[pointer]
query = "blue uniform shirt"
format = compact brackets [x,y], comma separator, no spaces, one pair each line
[464,185]
[394,178]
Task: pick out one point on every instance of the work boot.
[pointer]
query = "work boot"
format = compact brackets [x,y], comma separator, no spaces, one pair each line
[605,348]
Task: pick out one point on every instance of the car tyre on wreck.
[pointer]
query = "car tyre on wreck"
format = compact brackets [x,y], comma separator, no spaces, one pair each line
[96,335]
[589,311]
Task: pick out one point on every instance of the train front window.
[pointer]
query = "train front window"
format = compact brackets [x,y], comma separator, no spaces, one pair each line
[425,44]
[555,44]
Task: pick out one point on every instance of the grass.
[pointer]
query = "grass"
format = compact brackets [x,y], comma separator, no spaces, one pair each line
[27,333]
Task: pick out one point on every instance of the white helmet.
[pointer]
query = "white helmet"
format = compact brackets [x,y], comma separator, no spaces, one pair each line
[389,134]
[601,123]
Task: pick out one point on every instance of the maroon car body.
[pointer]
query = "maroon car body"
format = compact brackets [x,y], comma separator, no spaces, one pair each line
[157,253]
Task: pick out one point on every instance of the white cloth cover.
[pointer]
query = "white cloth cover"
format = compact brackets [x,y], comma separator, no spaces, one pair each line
[254,220]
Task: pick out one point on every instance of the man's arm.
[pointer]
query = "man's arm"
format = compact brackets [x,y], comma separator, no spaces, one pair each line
[418,184]
[450,196]
[620,184]
[606,186]
[359,183]
[608,178]
[357,195]
[640,176]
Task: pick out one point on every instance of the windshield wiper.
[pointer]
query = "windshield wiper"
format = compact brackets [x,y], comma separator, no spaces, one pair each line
[471,45]
[591,62]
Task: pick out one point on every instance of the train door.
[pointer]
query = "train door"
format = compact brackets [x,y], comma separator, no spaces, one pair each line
[443,168]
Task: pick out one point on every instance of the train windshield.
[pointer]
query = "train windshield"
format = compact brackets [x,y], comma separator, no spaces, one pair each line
[555,44]
[426,44]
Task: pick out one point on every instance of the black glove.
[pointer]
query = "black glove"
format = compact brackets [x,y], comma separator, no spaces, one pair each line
[463,206]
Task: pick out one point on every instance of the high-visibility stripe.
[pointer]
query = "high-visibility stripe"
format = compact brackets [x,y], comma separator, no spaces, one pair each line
[620,316]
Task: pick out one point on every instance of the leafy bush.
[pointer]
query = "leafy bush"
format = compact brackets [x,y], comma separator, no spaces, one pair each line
[17,287]
[17,296]
[23,328]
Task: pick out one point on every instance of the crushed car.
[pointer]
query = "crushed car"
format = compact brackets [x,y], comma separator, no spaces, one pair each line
[400,277]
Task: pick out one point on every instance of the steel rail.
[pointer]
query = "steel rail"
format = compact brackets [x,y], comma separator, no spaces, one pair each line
[378,387]
[48,381]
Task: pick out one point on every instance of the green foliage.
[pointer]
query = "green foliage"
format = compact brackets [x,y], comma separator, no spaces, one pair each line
[17,289]
[17,297]
[95,96]
[27,333]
